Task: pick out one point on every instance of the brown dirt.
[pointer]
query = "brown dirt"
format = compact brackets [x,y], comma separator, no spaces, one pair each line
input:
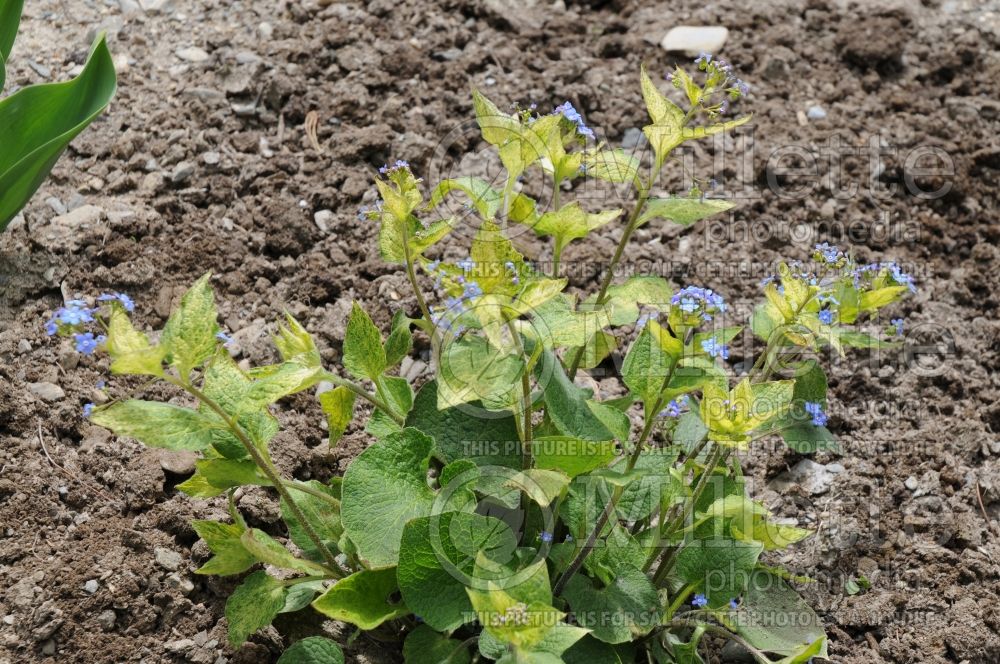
[916,508]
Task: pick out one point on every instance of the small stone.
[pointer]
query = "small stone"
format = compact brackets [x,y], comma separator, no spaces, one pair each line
[323,219]
[56,205]
[490,81]
[813,477]
[41,70]
[181,583]
[192,54]
[47,391]
[694,40]
[182,172]
[49,647]
[829,209]
[168,559]
[265,30]
[180,462]
[911,483]
[23,346]
[211,158]
[816,113]
[8,619]
[180,645]
[633,138]
[106,619]
[84,215]
[449,55]
[91,586]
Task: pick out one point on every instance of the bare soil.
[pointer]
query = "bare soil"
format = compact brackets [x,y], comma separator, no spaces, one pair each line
[203,163]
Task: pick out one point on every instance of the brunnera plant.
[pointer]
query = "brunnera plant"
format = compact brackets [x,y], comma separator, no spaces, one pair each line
[503,512]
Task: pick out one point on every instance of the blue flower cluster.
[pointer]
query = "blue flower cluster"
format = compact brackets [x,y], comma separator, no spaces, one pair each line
[862,273]
[897,326]
[715,349]
[675,407]
[815,411]
[829,253]
[399,165]
[568,111]
[696,300]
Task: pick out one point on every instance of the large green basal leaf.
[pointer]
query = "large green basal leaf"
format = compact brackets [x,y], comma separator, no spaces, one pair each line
[383,488]
[466,431]
[38,122]
[775,619]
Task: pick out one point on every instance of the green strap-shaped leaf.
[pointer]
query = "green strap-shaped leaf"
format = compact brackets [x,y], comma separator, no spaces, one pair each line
[10,17]
[313,650]
[38,122]
[363,599]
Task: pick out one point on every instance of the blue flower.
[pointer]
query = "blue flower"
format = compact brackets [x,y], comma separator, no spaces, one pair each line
[546,537]
[691,299]
[766,280]
[733,604]
[86,343]
[433,266]
[675,407]
[829,253]
[897,323]
[125,300]
[703,59]
[699,600]
[826,317]
[385,170]
[88,408]
[101,384]
[223,337]
[900,277]
[742,87]
[569,538]
[75,312]
[466,264]
[715,349]
[568,111]
[472,289]
[815,410]
[51,327]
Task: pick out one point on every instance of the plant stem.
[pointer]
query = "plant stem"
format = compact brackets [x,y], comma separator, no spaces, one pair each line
[412,276]
[616,495]
[306,488]
[602,293]
[668,554]
[556,256]
[526,433]
[373,399]
[718,630]
[267,467]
